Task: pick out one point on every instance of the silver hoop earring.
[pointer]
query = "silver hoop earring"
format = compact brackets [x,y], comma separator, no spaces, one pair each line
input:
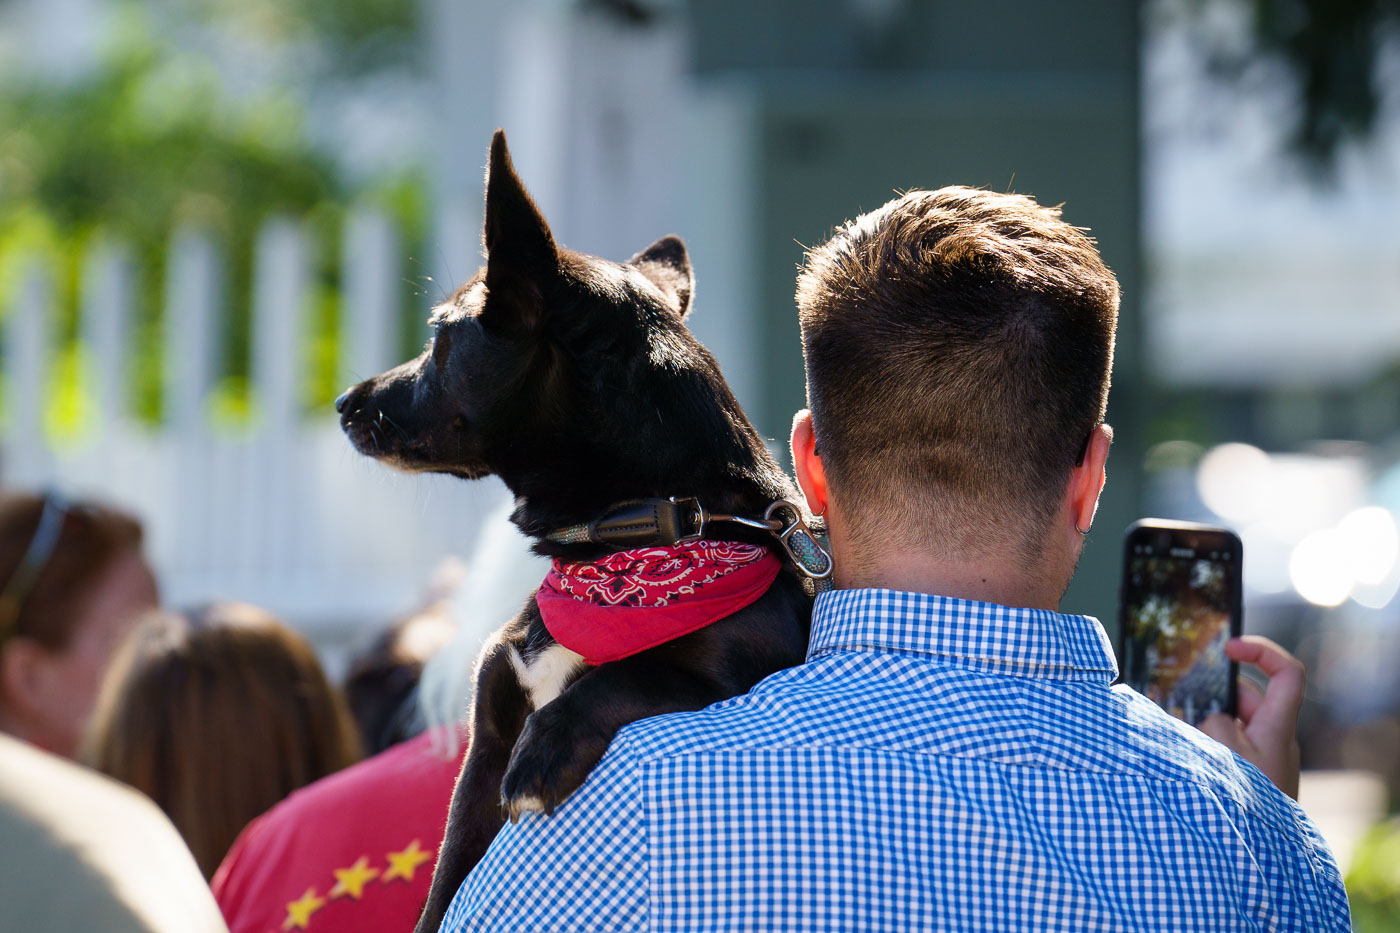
[1082,531]
[822,512]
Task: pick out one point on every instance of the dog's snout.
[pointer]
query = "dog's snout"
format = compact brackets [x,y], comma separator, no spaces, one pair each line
[341,401]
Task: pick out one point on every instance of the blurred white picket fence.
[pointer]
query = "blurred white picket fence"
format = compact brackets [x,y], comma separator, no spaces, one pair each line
[282,513]
[618,146]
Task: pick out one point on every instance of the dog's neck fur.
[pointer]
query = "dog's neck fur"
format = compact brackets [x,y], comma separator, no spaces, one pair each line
[738,477]
[672,430]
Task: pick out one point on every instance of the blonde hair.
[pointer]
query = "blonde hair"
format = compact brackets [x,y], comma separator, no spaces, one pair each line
[502,572]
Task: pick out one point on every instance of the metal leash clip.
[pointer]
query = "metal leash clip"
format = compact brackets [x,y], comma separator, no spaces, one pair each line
[802,546]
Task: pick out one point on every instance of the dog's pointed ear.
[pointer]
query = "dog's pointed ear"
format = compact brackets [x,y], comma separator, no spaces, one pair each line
[520,250]
[667,264]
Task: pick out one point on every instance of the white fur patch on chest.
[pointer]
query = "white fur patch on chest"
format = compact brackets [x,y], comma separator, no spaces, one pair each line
[545,675]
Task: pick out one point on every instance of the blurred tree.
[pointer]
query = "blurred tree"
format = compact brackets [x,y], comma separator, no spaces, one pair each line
[149,139]
[1333,49]
[154,138]
[146,143]
[1332,46]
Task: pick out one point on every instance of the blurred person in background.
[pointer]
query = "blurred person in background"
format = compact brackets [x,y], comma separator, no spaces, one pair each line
[354,853]
[82,852]
[383,679]
[72,582]
[382,682]
[216,716]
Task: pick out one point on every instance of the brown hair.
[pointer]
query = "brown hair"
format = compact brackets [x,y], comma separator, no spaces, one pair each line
[958,345]
[91,539]
[216,716]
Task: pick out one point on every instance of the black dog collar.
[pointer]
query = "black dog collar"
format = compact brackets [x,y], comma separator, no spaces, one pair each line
[668,522]
[640,523]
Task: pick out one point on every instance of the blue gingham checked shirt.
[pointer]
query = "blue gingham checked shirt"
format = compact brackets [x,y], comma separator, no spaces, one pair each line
[937,764]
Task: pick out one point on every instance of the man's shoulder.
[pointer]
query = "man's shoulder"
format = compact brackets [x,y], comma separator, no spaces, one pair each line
[1166,748]
[922,708]
[1121,737]
[1209,774]
[768,715]
[675,790]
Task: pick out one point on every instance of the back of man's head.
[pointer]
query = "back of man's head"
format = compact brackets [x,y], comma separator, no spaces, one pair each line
[958,345]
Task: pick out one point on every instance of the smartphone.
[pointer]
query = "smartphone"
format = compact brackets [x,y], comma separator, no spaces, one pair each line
[1180,603]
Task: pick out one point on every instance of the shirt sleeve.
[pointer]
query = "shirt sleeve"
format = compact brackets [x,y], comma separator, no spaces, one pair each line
[584,868]
[1333,907]
[1304,884]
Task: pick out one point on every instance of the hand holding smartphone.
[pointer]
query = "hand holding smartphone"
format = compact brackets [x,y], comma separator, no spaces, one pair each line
[1266,730]
[1181,602]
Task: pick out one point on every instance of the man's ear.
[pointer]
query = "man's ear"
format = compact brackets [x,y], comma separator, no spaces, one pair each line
[520,251]
[667,264]
[1087,480]
[807,463]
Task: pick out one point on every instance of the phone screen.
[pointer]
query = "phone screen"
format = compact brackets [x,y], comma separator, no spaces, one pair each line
[1181,599]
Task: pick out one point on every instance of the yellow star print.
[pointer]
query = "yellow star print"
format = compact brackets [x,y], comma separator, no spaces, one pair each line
[405,864]
[299,911]
[352,880]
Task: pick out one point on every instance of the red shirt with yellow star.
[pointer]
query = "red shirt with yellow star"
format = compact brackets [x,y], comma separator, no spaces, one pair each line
[352,852]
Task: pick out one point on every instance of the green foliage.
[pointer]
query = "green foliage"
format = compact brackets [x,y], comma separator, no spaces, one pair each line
[152,141]
[147,143]
[1373,883]
[30,234]
[319,383]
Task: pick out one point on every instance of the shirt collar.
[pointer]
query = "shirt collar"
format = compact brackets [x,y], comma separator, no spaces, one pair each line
[984,636]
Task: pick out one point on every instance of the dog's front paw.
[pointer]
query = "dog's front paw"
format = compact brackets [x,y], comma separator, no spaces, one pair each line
[548,764]
[513,808]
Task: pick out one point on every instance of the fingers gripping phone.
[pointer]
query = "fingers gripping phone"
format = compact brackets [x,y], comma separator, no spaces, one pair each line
[1180,603]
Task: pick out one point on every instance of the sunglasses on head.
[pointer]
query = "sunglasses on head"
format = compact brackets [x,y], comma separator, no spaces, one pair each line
[31,566]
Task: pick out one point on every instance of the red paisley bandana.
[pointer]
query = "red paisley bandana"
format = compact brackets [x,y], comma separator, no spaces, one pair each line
[628,602]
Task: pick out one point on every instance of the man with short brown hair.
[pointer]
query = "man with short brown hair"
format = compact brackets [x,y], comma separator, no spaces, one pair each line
[958,346]
[953,755]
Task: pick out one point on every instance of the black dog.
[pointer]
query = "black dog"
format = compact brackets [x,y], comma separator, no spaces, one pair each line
[575,380]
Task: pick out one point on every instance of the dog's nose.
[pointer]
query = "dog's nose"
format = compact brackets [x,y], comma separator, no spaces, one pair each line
[340,401]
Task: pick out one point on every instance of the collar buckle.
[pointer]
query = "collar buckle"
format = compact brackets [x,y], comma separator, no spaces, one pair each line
[689,509]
